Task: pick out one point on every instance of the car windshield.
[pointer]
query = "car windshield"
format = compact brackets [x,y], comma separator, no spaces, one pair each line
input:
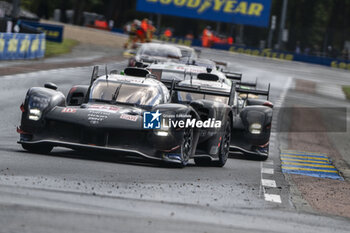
[179,76]
[174,75]
[186,53]
[160,51]
[126,93]
[206,63]
[186,97]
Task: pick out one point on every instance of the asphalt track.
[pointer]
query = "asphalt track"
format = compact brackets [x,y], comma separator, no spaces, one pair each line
[66,191]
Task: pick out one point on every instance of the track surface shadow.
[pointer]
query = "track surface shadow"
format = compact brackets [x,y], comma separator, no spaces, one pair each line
[120,158]
[241,156]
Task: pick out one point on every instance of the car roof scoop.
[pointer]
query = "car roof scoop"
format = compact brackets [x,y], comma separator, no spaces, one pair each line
[208,77]
[50,86]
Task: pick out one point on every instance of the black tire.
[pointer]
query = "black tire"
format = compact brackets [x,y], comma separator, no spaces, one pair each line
[224,147]
[186,146]
[37,148]
[222,153]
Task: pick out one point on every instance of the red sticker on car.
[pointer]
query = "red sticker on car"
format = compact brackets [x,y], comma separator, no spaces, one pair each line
[69,110]
[104,108]
[128,117]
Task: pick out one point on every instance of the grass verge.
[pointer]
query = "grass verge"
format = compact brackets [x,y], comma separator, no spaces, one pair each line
[346,90]
[54,49]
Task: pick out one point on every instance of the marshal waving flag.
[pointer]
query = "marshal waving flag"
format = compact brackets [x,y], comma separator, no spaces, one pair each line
[247,12]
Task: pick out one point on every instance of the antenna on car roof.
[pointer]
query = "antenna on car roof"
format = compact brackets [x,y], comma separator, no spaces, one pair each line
[191,77]
[172,88]
[188,61]
[106,72]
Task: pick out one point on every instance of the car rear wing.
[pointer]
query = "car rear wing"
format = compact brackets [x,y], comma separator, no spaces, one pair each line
[248,91]
[247,84]
[169,83]
[233,75]
[237,77]
[197,90]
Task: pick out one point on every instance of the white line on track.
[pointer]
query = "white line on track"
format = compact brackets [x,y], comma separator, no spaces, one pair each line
[273,198]
[268,183]
[269,163]
[267,170]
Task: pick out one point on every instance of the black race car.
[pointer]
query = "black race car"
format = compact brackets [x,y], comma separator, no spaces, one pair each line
[252,116]
[125,113]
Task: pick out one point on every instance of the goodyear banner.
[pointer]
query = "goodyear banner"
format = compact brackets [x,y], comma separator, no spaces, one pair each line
[21,46]
[249,12]
[53,32]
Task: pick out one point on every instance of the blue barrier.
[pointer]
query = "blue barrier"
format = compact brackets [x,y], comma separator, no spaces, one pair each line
[22,46]
[53,32]
[326,61]
[117,30]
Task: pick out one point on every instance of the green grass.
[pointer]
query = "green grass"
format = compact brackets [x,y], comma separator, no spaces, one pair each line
[54,49]
[346,90]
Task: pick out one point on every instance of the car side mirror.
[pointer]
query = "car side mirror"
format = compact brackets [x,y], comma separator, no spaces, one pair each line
[114,72]
[50,86]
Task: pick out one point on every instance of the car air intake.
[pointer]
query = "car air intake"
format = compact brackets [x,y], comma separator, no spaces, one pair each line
[136,72]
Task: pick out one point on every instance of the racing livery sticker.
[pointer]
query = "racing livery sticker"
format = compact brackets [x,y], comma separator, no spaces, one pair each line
[104,108]
[69,110]
[151,120]
[129,117]
[95,117]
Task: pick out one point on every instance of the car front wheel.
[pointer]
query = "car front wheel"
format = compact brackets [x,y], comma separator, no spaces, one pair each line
[224,146]
[186,146]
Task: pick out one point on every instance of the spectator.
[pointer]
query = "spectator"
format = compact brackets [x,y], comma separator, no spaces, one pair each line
[142,32]
[307,50]
[345,54]
[230,40]
[190,36]
[132,29]
[168,33]
[297,48]
[150,30]
[206,37]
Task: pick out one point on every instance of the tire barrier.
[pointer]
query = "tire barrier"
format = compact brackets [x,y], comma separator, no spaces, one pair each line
[22,46]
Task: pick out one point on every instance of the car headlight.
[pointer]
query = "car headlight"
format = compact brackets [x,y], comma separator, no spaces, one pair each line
[255,128]
[164,127]
[161,133]
[34,114]
[36,105]
[38,102]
